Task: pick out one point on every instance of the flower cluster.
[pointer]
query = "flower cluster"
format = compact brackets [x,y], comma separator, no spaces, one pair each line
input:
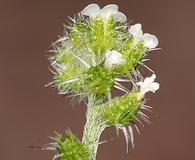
[99,52]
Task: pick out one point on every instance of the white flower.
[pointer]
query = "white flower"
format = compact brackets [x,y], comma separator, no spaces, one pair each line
[94,10]
[114,57]
[148,85]
[150,41]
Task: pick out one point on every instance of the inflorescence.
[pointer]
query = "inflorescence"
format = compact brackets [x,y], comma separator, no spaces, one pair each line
[98,52]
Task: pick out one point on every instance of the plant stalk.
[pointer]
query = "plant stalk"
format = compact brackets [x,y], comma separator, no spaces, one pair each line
[94,126]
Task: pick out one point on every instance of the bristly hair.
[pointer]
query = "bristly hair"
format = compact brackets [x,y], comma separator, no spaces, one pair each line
[128,130]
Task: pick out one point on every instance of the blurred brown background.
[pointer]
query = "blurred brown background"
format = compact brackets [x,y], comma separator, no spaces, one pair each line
[30,113]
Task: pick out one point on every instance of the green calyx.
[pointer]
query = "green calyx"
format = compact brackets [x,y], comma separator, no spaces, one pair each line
[99,81]
[97,34]
[69,147]
[121,110]
[96,80]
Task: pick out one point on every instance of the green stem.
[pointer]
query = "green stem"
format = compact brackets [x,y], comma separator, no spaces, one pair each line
[94,126]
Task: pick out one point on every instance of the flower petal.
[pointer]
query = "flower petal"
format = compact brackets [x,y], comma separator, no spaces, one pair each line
[91,10]
[154,87]
[114,57]
[149,80]
[150,41]
[148,85]
[109,10]
[120,17]
[136,30]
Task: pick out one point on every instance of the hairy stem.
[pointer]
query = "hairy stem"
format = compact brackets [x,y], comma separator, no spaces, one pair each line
[94,126]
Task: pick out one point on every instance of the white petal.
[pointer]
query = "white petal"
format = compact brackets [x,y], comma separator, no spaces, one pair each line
[136,30]
[114,57]
[150,41]
[120,17]
[91,10]
[149,80]
[109,10]
[154,87]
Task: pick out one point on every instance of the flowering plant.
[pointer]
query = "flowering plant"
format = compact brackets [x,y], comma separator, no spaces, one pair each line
[99,51]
